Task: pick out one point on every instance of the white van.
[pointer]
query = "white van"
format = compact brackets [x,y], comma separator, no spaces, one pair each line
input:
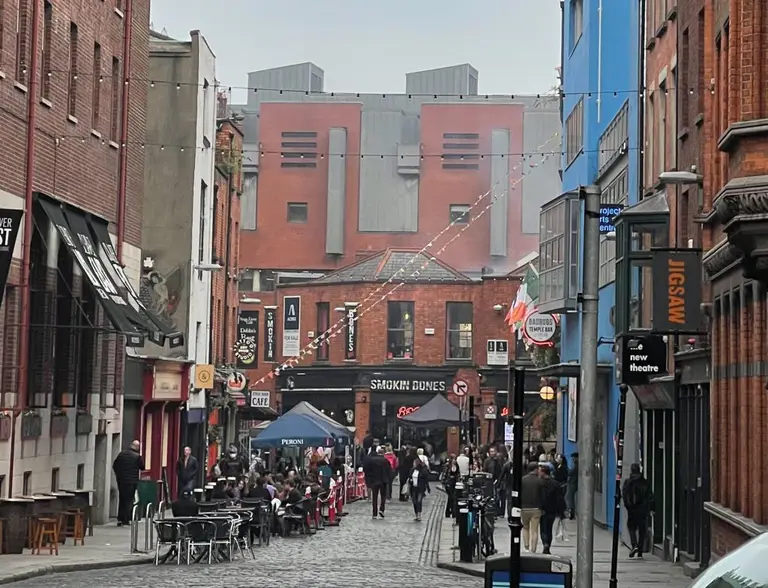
[745,567]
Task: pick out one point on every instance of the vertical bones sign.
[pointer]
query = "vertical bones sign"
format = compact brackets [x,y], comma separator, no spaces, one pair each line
[270,333]
[291,326]
[350,331]
[10,220]
[247,344]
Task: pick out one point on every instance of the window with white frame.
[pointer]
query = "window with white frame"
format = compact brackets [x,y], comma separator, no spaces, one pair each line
[617,192]
[614,141]
[458,326]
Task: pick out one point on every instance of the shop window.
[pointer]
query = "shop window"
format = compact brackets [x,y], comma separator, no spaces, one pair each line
[458,326]
[323,324]
[400,330]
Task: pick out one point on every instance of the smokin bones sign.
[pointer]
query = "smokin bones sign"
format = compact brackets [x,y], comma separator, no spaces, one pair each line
[350,332]
[270,333]
[407,385]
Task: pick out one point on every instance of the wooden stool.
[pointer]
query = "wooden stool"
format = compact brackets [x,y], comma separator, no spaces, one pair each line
[72,524]
[47,536]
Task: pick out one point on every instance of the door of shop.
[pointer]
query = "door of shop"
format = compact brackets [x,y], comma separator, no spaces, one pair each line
[693,471]
[660,454]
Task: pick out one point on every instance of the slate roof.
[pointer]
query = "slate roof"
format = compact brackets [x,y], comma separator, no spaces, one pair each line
[381,266]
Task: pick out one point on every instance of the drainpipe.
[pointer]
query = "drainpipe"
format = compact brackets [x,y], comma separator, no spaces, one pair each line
[227,253]
[32,99]
[123,165]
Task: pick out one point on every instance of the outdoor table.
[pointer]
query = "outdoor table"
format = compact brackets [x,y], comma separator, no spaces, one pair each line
[81,499]
[15,511]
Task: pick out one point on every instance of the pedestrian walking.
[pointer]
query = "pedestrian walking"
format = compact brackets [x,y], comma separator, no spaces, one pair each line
[464,462]
[127,467]
[531,502]
[419,482]
[377,474]
[450,478]
[552,506]
[186,471]
[390,456]
[639,502]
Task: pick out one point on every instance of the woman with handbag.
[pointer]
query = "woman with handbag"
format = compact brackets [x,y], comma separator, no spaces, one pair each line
[419,483]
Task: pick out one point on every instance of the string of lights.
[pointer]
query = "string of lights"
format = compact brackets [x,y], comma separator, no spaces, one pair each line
[361,309]
[309,154]
[556,93]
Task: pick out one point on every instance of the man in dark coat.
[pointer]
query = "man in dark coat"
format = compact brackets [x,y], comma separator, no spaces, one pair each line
[127,467]
[186,470]
[378,473]
[639,502]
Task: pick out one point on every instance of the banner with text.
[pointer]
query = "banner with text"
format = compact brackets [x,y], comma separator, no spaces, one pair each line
[677,290]
[270,333]
[350,332]
[10,221]
[291,326]
[247,344]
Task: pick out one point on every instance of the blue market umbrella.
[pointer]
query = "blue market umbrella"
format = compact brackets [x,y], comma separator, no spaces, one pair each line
[296,430]
[307,409]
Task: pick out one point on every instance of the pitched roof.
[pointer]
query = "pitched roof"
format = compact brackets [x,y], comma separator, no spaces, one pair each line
[383,265]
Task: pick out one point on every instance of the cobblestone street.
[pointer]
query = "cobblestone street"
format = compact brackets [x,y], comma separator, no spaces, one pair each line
[361,552]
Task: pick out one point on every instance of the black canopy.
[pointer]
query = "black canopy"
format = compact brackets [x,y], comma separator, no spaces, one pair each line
[438,412]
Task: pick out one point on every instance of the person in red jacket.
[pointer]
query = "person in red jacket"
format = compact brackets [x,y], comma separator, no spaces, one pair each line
[389,454]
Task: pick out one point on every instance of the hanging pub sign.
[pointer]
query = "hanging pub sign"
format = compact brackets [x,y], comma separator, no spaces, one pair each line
[350,331]
[270,333]
[10,221]
[677,291]
[236,382]
[291,326]
[643,357]
[247,342]
[540,328]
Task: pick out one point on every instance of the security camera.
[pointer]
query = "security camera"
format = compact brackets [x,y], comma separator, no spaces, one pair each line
[498,307]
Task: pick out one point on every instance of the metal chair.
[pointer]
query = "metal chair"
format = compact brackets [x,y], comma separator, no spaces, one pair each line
[200,534]
[170,533]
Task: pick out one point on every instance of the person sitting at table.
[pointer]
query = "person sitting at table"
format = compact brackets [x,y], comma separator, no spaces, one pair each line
[269,484]
[185,506]
[258,490]
[292,494]
[220,491]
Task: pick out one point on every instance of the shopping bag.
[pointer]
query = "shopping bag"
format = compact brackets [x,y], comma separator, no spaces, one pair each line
[562,531]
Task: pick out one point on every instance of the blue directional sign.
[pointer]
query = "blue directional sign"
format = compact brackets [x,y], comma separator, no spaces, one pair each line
[608,214]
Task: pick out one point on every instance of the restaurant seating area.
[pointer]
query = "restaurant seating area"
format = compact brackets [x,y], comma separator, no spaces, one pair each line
[42,522]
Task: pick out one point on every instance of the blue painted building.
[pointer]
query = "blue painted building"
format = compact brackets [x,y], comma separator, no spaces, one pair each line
[600,79]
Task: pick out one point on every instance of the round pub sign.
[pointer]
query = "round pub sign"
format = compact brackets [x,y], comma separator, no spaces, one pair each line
[540,328]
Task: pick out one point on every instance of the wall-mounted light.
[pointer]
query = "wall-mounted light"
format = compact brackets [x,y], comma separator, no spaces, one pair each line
[498,308]
[547,393]
[208,267]
[248,300]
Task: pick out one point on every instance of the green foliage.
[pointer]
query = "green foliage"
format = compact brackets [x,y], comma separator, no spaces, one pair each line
[548,419]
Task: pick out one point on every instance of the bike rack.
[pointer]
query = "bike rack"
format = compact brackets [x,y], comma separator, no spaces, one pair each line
[149,529]
[160,511]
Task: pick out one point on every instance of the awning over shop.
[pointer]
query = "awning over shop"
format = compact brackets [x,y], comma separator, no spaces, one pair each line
[438,412]
[120,302]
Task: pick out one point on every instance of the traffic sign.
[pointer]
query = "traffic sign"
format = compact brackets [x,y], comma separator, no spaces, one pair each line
[460,388]
[204,376]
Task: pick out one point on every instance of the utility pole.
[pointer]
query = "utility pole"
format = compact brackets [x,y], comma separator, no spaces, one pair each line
[515,520]
[613,581]
[585,495]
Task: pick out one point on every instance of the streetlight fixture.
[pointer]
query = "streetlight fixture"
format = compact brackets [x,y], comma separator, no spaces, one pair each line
[247,300]
[681,178]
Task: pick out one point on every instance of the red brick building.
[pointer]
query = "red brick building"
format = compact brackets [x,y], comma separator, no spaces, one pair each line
[735,201]
[62,350]
[412,339]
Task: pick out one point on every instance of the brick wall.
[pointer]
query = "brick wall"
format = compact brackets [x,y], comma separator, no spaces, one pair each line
[229,145]
[736,59]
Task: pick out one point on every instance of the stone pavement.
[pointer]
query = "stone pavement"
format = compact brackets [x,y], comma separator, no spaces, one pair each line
[109,547]
[631,572]
[360,553]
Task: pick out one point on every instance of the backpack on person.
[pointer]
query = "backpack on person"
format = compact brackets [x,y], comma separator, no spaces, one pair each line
[635,493]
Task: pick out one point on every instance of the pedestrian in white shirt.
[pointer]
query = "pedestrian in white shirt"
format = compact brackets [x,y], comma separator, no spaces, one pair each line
[463,462]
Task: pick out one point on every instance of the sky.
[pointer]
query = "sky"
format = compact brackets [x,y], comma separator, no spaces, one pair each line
[369,45]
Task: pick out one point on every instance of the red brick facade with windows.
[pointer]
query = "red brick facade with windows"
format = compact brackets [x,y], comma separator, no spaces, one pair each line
[277,244]
[226,239]
[430,300]
[735,164]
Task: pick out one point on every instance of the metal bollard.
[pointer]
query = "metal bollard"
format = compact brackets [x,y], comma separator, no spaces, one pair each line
[161,510]
[149,528]
[135,529]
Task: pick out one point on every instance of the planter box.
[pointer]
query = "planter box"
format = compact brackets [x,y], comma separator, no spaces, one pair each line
[6,426]
[31,426]
[84,424]
[59,426]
